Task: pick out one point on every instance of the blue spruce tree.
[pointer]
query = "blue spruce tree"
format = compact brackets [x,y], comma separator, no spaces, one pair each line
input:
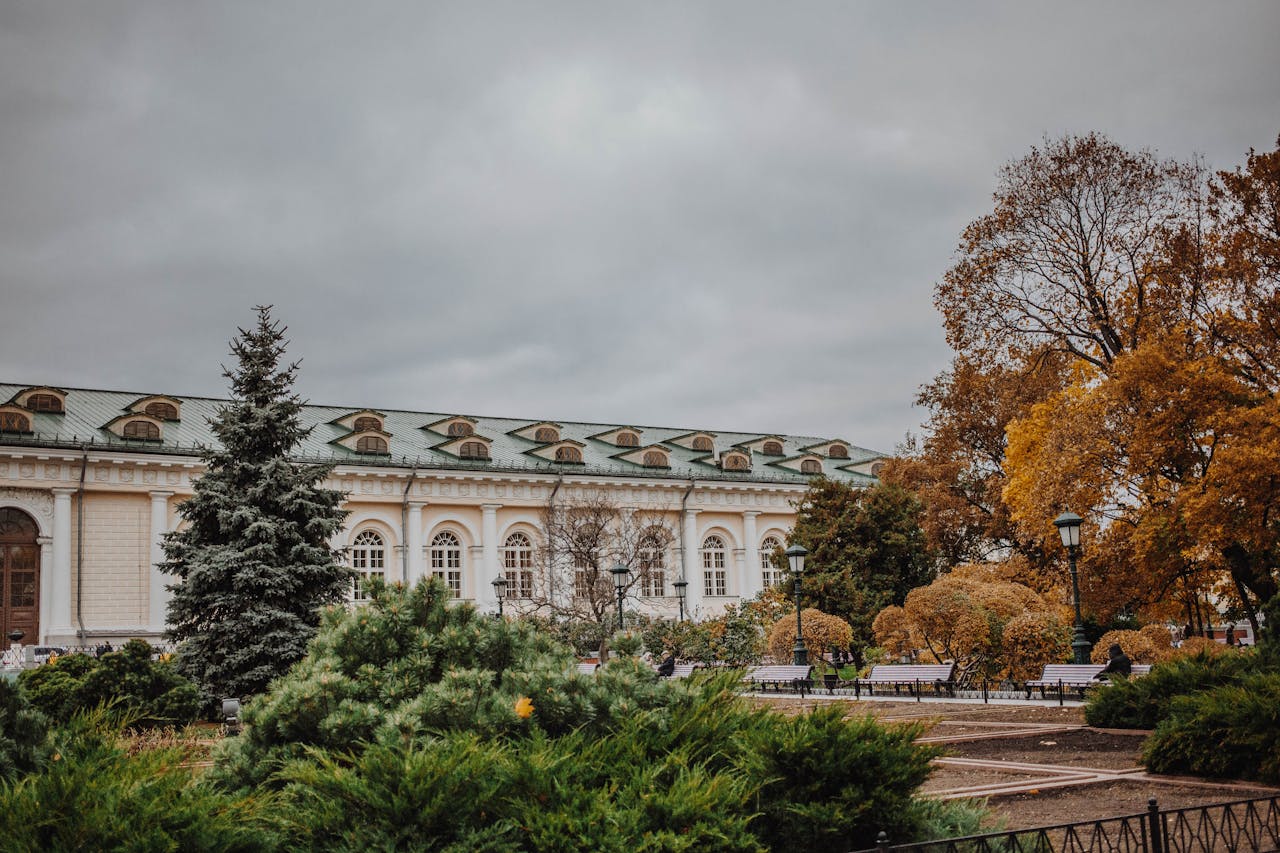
[254,565]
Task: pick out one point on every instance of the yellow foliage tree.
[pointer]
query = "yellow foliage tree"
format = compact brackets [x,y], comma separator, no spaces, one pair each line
[821,632]
[1136,645]
[1031,640]
[1160,639]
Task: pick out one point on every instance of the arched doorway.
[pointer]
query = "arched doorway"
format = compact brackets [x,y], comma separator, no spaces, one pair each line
[19,577]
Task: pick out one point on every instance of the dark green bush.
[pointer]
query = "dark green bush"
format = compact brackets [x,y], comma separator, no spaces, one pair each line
[1232,731]
[150,692]
[1141,703]
[92,795]
[23,733]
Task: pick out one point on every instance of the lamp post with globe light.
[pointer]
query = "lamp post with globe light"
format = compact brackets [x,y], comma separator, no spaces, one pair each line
[1068,525]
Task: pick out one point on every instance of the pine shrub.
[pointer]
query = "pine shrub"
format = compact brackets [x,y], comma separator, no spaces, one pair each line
[1141,703]
[1231,731]
[150,692]
[92,795]
[23,733]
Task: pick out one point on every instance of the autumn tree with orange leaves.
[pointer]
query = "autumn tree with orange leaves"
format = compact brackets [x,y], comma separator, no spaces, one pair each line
[1115,323]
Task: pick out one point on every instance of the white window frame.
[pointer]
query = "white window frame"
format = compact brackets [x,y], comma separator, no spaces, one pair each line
[715,575]
[446,560]
[368,558]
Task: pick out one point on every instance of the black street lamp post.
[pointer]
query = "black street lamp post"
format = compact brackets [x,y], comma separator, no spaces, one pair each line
[1068,525]
[681,589]
[795,558]
[620,575]
[500,590]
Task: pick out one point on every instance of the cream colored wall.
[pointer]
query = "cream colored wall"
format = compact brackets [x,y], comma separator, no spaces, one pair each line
[117,559]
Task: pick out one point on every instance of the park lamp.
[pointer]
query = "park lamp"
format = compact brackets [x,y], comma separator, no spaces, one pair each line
[1068,525]
[620,576]
[500,591]
[681,591]
[795,559]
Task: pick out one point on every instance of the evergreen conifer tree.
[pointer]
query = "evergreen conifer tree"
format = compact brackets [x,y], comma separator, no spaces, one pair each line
[254,565]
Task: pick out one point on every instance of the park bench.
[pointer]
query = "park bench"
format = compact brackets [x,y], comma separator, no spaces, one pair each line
[911,676]
[683,670]
[1075,676]
[588,668]
[786,676]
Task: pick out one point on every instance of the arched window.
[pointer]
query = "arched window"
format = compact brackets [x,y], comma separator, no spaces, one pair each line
[736,462]
[14,422]
[655,459]
[653,564]
[703,443]
[628,439]
[584,572]
[473,450]
[714,577]
[546,435]
[458,428]
[568,454]
[19,574]
[769,574]
[161,410]
[446,561]
[811,466]
[771,448]
[371,444]
[517,558]
[143,430]
[876,469]
[368,560]
[44,403]
[838,451]
[365,422]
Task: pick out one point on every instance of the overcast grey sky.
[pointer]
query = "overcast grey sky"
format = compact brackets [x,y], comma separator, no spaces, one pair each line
[714,215]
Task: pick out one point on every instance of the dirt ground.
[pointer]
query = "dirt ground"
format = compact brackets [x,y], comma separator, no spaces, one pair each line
[1036,765]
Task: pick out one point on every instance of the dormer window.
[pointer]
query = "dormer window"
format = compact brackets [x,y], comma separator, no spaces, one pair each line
[771,448]
[141,430]
[546,435]
[162,411]
[568,454]
[459,428]
[703,443]
[367,422]
[628,439]
[736,462]
[655,459]
[374,444]
[14,422]
[472,449]
[811,466]
[876,469]
[838,451]
[44,403]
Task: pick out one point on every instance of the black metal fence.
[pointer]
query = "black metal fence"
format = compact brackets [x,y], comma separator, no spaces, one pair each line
[1231,827]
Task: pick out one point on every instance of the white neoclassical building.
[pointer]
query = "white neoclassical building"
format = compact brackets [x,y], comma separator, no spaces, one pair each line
[90,481]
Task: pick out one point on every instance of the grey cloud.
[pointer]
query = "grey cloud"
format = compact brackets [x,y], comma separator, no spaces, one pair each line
[717,215]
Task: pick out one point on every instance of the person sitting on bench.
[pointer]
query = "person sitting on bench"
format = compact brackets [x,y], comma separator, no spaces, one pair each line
[1118,665]
[667,667]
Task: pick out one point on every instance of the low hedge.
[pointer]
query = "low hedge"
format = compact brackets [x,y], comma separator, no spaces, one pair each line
[1231,731]
[1141,703]
[150,692]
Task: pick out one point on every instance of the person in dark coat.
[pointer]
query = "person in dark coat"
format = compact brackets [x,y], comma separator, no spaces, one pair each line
[667,667]
[1119,664]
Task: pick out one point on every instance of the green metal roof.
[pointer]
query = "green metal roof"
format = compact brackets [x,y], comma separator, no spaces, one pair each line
[88,411]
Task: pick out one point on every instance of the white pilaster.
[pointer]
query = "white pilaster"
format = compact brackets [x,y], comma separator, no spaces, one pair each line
[159,527]
[414,537]
[489,572]
[692,565]
[752,582]
[58,625]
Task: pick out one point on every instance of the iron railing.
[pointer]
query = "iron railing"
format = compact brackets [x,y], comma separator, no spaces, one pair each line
[1232,827]
[16,657]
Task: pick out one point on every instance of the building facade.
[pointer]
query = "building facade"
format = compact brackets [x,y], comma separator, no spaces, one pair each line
[90,481]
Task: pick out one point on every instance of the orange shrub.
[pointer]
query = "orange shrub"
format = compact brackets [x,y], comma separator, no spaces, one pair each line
[1160,639]
[821,632]
[1136,645]
[1032,640]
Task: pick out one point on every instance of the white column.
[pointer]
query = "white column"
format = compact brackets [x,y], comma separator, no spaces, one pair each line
[752,582]
[490,568]
[692,565]
[46,584]
[59,624]
[413,536]
[159,527]
[739,574]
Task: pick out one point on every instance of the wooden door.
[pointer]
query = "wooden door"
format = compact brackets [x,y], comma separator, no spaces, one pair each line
[19,577]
